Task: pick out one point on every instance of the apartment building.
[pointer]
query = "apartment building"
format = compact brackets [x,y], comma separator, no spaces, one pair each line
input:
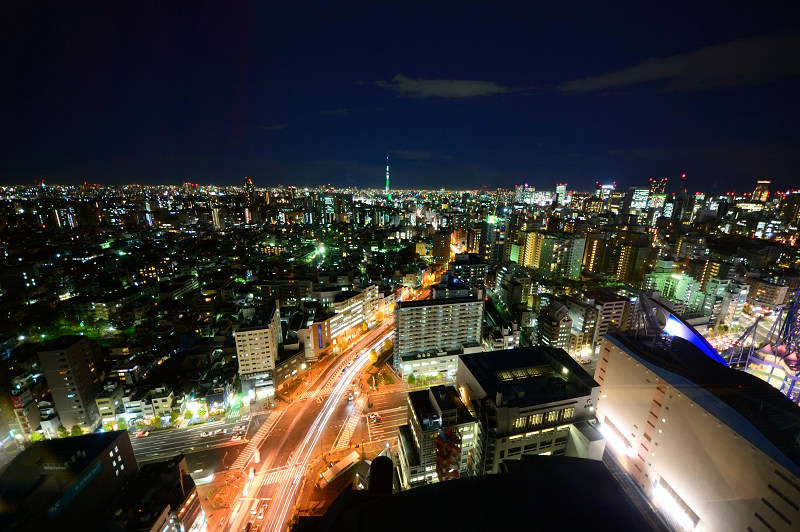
[432,326]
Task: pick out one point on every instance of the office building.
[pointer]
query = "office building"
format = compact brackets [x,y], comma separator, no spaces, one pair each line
[434,326]
[69,368]
[715,448]
[534,400]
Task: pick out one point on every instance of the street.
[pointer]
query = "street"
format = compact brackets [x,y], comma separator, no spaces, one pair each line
[323,420]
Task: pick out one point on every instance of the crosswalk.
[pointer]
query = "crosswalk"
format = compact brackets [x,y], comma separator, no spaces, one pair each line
[343,441]
[255,442]
[233,414]
[277,475]
[324,392]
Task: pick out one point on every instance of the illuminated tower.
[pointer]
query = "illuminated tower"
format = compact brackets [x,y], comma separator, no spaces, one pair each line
[389,194]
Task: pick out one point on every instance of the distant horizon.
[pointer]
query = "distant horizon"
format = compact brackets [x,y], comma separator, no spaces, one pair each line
[372,189]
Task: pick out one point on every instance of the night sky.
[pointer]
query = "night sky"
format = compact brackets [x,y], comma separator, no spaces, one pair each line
[459,95]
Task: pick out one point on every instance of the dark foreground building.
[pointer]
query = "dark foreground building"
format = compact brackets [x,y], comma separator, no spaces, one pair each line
[541,493]
[65,484]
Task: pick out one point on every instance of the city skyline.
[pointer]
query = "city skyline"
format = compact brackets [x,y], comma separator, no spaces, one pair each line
[484,97]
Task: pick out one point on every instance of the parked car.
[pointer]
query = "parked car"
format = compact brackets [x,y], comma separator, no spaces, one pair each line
[143,434]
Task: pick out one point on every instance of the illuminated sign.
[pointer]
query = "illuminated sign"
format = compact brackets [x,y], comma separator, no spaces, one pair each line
[319,335]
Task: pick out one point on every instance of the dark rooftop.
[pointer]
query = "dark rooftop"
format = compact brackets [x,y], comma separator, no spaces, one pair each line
[447,399]
[529,375]
[431,302]
[65,455]
[60,343]
[548,493]
[345,295]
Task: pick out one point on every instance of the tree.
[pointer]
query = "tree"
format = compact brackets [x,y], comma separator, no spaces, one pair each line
[122,424]
[373,357]
[156,423]
[36,436]
[76,431]
[139,424]
[202,411]
[62,432]
[188,414]
[173,417]
[108,427]
[411,380]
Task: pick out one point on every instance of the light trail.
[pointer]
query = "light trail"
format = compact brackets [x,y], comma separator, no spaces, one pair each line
[283,500]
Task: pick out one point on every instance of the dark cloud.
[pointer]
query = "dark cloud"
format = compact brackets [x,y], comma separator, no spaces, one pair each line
[336,112]
[273,127]
[442,88]
[749,61]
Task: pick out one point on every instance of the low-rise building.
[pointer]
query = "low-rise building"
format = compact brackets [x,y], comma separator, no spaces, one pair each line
[109,401]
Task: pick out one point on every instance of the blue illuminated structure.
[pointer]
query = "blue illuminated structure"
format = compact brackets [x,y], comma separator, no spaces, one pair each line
[660,320]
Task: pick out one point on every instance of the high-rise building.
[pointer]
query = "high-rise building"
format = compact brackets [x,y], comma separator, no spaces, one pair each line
[658,186]
[790,208]
[69,368]
[561,256]
[596,252]
[494,239]
[553,255]
[257,350]
[427,329]
[761,192]
[713,447]
[561,193]
[531,249]
[554,326]
[441,247]
[470,268]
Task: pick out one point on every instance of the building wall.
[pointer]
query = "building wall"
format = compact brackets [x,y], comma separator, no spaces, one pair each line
[257,348]
[660,432]
[444,325]
[70,373]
